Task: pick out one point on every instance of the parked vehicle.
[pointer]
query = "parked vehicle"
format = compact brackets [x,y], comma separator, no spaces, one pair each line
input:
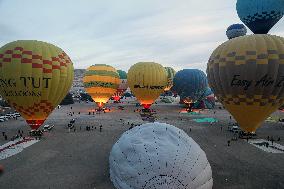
[2,120]
[5,118]
[10,115]
[47,127]
[235,129]
[16,114]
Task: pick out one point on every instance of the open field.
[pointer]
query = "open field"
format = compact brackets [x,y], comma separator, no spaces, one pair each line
[72,160]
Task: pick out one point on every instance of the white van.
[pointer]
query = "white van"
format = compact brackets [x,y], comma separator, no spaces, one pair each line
[5,118]
[10,115]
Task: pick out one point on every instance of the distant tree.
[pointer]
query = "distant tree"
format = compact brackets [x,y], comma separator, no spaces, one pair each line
[86,97]
[67,100]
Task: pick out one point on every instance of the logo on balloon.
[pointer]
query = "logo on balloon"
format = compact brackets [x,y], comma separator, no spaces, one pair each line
[264,81]
[26,82]
[148,87]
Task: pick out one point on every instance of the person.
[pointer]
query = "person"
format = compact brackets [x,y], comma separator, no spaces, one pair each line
[272,140]
[3,133]
[89,113]
[1,169]
[278,139]
[189,129]
[221,128]
[6,137]
[229,142]
[101,128]
[267,138]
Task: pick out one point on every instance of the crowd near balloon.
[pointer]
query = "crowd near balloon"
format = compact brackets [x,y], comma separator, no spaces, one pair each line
[245,73]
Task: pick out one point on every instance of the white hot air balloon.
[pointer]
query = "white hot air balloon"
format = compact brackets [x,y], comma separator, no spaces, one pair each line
[160,156]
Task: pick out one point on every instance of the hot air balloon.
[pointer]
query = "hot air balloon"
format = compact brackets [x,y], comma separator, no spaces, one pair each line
[34,78]
[190,84]
[207,101]
[236,30]
[161,156]
[171,74]
[122,85]
[247,74]
[147,81]
[101,82]
[260,15]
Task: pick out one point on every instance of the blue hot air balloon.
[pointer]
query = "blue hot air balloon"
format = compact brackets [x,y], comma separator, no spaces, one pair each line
[260,15]
[207,101]
[190,83]
[236,30]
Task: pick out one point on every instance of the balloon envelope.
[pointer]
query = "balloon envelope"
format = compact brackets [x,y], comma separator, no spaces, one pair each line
[147,80]
[101,82]
[171,74]
[246,74]
[260,15]
[122,84]
[34,78]
[236,30]
[160,156]
[190,83]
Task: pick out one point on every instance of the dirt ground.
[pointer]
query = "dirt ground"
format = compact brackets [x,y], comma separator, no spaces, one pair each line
[72,160]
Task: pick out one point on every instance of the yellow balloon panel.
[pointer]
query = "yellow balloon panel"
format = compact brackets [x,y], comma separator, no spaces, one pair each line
[34,77]
[147,81]
[171,74]
[247,76]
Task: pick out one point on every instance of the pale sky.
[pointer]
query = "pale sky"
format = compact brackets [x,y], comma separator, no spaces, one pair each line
[176,33]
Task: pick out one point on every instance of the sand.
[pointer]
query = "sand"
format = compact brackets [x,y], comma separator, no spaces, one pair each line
[80,159]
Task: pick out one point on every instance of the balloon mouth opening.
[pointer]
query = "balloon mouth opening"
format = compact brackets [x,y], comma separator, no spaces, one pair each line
[146,106]
[100,104]
[35,124]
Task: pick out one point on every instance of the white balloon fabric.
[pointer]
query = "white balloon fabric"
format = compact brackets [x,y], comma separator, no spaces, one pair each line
[158,156]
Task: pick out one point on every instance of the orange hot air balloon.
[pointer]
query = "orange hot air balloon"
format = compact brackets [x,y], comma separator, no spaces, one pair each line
[34,78]
[122,85]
